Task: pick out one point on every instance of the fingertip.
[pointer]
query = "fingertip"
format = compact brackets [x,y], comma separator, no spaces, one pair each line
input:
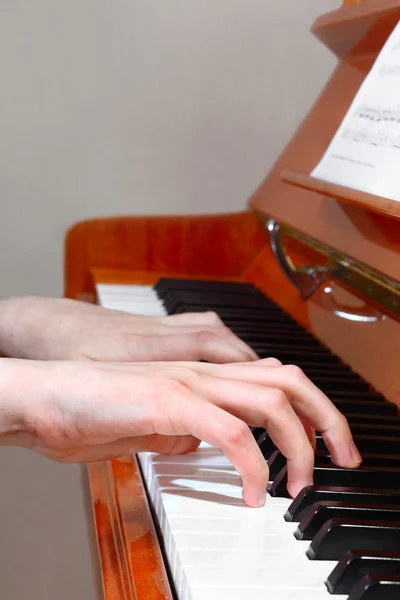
[255,499]
[348,458]
[355,454]
[295,487]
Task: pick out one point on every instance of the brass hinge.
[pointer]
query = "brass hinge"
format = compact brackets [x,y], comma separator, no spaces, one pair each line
[383,291]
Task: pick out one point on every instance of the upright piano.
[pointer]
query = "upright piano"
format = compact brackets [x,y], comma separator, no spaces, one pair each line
[310,274]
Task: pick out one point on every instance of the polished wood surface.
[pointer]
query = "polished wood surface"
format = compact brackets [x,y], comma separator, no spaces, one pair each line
[143,249]
[131,561]
[375,204]
[371,238]
[218,245]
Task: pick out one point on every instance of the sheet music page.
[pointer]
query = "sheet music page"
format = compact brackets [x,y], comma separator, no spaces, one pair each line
[365,152]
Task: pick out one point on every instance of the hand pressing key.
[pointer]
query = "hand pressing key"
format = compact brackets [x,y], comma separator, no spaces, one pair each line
[88,411]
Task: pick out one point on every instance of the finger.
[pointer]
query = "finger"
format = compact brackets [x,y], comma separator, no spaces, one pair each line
[310,403]
[202,345]
[222,430]
[202,318]
[161,444]
[263,362]
[269,408]
[314,408]
[208,319]
[196,322]
[225,334]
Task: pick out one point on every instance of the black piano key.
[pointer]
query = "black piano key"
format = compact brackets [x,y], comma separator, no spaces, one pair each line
[369,460]
[375,429]
[339,368]
[314,371]
[278,344]
[289,339]
[337,536]
[279,485]
[321,512]
[331,475]
[377,587]
[356,407]
[371,444]
[267,322]
[375,419]
[352,395]
[336,383]
[267,447]
[255,331]
[311,494]
[276,462]
[220,299]
[165,285]
[235,312]
[355,564]
[259,433]
[288,356]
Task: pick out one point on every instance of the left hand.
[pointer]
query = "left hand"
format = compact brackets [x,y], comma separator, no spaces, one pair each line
[60,329]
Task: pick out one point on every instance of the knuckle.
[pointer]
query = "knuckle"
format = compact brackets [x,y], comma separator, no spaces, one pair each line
[185,376]
[276,400]
[294,372]
[204,338]
[238,435]
[213,318]
[167,390]
[273,362]
[341,421]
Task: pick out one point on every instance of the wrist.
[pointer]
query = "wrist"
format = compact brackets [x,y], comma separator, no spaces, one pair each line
[14,326]
[18,386]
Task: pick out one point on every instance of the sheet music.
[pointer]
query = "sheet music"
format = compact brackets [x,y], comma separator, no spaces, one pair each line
[365,152]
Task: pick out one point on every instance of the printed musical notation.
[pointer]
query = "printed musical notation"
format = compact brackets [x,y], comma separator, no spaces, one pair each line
[374,126]
[365,151]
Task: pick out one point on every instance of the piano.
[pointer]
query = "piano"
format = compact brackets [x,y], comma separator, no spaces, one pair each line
[310,274]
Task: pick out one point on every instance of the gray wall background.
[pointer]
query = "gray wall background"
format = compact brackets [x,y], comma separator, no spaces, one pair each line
[126,107]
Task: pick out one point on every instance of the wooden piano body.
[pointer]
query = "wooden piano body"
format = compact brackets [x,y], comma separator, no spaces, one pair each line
[237,247]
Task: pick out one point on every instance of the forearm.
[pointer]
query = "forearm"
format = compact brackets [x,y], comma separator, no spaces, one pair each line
[17,315]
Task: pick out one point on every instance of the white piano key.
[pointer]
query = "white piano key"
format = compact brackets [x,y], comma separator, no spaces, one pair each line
[135,299]
[131,290]
[189,525]
[208,457]
[261,593]
[192,471]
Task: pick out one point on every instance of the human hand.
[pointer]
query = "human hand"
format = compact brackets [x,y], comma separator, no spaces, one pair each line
[83,412]
[60,329]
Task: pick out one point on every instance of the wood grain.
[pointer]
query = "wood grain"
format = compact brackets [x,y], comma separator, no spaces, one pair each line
[375,204]
[206,245]
[131,561]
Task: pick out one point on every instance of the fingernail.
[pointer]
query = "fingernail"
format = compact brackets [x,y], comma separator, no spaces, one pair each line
[355,453]
[262,500]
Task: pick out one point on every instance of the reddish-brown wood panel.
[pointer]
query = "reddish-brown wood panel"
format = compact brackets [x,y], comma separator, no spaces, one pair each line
[213,245]
[132,565]
[370,349]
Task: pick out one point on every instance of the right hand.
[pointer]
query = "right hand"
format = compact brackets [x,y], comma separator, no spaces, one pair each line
[87,411]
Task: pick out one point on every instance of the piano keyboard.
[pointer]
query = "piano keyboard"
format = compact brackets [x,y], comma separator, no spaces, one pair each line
[340,536]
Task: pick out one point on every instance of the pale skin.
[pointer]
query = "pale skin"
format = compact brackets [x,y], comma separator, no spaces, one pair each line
[88,384]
